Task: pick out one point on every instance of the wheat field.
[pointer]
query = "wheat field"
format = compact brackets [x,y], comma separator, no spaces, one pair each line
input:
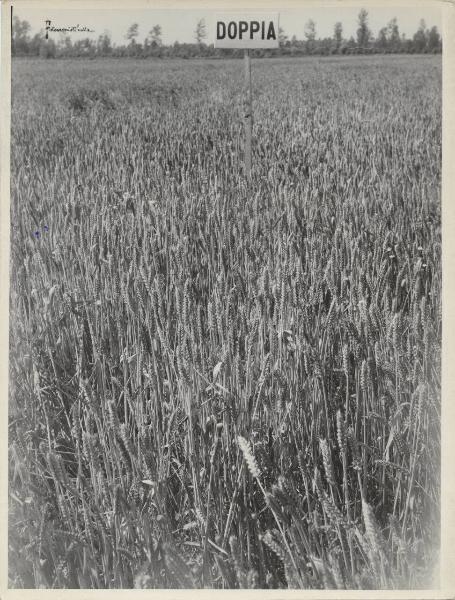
[216,383]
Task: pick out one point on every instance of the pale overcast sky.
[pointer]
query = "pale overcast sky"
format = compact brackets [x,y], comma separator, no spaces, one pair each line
[179,25]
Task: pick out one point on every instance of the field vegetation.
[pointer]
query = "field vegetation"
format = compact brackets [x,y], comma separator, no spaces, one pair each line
[215,383]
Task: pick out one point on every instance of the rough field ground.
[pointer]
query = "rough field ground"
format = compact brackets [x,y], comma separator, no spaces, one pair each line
[216,384]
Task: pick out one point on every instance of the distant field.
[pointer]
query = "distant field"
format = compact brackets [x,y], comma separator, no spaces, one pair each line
[215,384]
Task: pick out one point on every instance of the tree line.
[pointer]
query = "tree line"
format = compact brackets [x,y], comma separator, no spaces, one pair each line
[388,40]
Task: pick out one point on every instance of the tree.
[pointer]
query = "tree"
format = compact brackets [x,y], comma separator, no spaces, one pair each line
[20,39]
[420,37]
[133,49]
[350,46]
[104,45]
[406,45]
[363,31]
[393,36]
[132,33]
[282,37]
[338,35]
[35,43]
[382,42]
[47,48]
[85,48]
[310,35]
[65,45]
[200,33]
[155,35]
[434,40]
[324,46]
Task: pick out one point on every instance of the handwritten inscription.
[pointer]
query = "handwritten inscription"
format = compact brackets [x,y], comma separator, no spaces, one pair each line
[72,29]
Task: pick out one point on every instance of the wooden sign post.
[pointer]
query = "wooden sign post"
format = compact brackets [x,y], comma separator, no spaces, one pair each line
[247,30]
[248,117]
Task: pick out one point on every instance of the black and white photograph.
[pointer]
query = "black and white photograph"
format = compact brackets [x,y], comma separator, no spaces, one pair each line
[225,296]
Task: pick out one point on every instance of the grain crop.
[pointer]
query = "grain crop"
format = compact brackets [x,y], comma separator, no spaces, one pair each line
[216,383]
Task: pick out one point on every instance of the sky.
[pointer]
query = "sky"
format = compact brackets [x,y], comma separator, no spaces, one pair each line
[179,25]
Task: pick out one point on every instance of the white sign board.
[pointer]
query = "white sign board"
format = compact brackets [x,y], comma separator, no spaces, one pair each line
[246,30]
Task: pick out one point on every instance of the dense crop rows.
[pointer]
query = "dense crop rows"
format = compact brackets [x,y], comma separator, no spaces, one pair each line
[216,384]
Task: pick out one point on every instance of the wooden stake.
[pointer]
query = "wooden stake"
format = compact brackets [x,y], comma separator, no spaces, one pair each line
[248,114]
